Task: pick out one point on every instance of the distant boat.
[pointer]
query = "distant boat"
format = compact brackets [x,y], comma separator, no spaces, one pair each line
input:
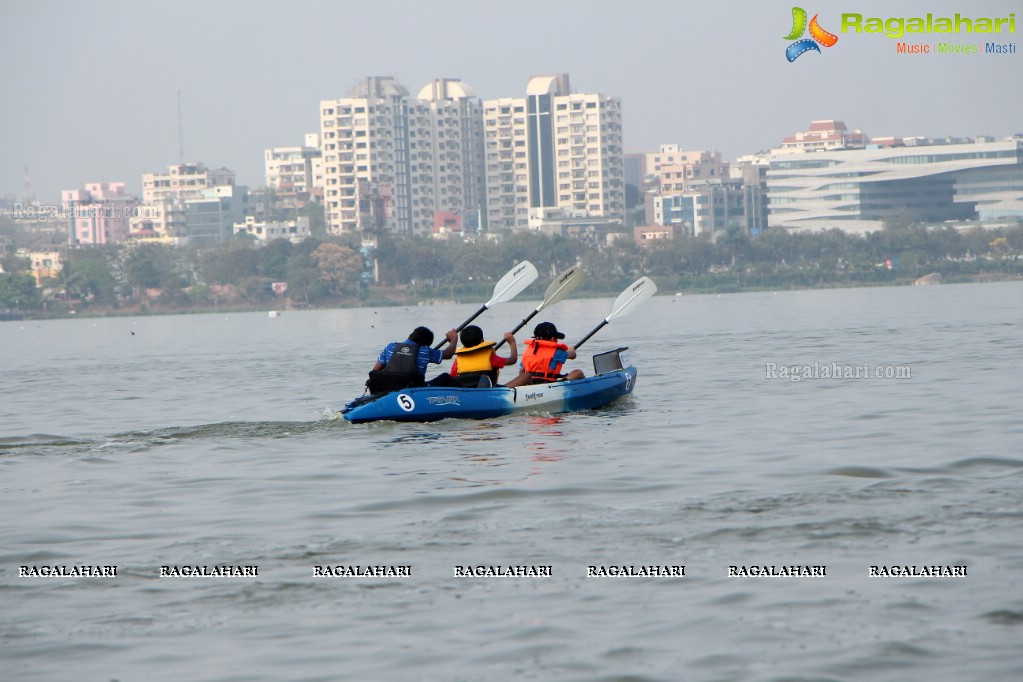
[933,278]
[275,313]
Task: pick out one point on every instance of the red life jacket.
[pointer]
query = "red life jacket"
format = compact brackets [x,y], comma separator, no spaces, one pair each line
[538,359]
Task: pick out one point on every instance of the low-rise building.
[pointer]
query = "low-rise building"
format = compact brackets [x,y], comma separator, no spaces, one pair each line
[823,135]
[98,214]
[292,230]
[296,170]
[211,217]
[447,224]
[577,224]
[45,264]
[183,181]
[705,208]
[189,203]
[645,235]
[674,167]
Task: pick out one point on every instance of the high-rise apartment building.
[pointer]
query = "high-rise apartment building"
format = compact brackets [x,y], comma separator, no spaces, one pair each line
[396,163]
[445,154]
[553,152]
[507,163]
[365,157]
[391,162]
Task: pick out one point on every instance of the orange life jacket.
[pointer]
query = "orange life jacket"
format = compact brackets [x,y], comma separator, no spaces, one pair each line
[538,359]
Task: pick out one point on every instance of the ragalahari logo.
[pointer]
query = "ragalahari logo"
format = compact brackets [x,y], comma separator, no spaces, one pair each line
[817,35]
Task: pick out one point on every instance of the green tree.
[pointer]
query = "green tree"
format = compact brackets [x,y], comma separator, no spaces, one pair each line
[733,240]
[150,266]
[229,262]
[69,281]
[94,270]
[304,277]
[340,268]
[274,259]
[317,218]
[18,291]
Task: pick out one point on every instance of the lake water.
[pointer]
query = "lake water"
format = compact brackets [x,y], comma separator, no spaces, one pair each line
[212,440]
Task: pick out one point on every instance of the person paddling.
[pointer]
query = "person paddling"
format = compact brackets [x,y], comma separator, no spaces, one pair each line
[476,362]
[402,364]
[544,356]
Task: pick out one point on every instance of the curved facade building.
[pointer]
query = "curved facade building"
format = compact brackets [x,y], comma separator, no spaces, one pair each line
[857,190]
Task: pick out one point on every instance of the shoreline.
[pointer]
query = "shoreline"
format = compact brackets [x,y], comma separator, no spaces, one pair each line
[148,310]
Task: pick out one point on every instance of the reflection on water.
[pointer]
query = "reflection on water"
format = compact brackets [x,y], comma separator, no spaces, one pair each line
[544,435]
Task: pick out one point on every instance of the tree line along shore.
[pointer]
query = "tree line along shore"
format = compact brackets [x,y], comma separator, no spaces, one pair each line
[327,271]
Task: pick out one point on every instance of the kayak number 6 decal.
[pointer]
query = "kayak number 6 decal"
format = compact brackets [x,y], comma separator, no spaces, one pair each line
[405,402]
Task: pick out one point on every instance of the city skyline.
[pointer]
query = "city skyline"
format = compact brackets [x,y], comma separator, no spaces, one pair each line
[94,95]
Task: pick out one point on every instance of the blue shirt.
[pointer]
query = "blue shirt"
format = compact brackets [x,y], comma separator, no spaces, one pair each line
[424,357]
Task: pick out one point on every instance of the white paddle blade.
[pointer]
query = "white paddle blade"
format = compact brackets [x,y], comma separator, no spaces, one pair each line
[630,299]
[512,284]
[565,284]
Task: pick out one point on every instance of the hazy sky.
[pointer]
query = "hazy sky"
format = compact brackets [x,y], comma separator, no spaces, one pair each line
[88,90]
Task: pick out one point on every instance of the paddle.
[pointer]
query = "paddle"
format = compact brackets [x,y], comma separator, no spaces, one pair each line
[630,299]
[566,283]
[509,286]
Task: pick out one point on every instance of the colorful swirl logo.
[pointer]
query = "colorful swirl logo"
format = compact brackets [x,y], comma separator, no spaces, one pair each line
[817,35]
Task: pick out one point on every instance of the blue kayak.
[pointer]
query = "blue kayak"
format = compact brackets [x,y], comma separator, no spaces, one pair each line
[431,403]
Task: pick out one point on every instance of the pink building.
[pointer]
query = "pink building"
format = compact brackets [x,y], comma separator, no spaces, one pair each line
[446,223]
[827,134]
[98,214]
[674,168]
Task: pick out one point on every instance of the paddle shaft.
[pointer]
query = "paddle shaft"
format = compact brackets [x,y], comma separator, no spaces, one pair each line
[465,324]
[519,326]
[595,330]
[566,283]
[509,286]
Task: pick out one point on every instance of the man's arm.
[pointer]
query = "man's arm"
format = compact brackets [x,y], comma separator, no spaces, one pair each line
[452,337]
[514,349]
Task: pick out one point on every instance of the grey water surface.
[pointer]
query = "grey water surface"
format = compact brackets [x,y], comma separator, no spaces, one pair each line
[208,440]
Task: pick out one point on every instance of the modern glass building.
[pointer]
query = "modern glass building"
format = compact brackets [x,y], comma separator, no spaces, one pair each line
[858,190]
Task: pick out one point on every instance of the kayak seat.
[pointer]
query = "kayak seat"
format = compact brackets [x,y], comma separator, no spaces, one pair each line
[380,382]
[478,379]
